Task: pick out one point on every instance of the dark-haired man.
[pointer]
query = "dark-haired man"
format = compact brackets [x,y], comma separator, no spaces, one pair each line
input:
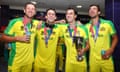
[101,44]
[47,39]
[76,41]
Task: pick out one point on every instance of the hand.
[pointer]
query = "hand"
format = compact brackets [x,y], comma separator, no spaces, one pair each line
[39,25]
[79,23]
[107,54]
[60,21]
[24,38]
[81,52]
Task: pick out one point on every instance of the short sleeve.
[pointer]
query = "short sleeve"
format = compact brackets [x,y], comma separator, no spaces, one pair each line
[112,29]
[10,28]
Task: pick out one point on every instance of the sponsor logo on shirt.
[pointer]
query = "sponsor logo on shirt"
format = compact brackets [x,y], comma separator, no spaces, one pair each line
[22,28]
[102,29]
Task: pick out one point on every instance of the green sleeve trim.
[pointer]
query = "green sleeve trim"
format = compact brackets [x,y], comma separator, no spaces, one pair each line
[110,24]
[12,54]
[113,28]
[113,34]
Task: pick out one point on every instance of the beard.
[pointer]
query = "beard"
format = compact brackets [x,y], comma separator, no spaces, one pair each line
[51,21]
[92,17]
[29,16]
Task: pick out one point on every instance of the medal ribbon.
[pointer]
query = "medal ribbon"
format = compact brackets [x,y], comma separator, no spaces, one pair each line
[95,35]
[47,35]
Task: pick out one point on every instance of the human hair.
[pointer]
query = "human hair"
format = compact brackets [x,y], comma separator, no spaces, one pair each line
[50,9]
[75,12]
[98,7]
[29,3]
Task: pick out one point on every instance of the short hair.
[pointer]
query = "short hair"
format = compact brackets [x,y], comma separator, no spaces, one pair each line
[72,9]
[50,9]
[98,7]
[29,3]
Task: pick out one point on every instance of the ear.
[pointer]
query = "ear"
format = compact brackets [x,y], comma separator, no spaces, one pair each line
[45,17]
[24,10]
[99,12]
[55,17]
[75,16]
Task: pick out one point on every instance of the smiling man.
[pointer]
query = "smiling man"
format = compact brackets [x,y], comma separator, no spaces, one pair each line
[101,45]
[47,39]
[76,41]
[21,32]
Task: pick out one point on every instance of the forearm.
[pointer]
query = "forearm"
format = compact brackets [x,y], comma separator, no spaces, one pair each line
[87,46]
[109,52]
[114,42]
[6,38]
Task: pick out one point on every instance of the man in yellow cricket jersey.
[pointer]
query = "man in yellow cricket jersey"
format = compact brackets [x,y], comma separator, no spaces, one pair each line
[21,32]
[75,55]
[100,32]
[47,39]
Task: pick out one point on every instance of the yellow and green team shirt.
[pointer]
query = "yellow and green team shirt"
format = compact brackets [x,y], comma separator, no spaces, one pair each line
[71,62]
[21,53]
[103,42]
[46,54]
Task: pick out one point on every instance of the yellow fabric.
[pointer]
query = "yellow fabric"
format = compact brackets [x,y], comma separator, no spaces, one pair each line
[21,53]
[60,57]
[60,51]
[102,43]
[25,68]
[72,65]
[45,59]
[43,69]
[101,66]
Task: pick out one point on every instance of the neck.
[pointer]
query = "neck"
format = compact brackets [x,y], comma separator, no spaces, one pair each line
[51,23]
[27,19]
[72,24]
[95,20]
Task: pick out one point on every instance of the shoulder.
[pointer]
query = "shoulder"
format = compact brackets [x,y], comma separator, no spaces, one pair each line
[104,21]
[36,21]
[84,28]
[15,20]
[87,24]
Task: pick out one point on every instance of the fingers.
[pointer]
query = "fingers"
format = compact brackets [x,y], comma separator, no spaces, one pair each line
[105,57]
[39,26]
[25,38]
[80,52]
[63,21]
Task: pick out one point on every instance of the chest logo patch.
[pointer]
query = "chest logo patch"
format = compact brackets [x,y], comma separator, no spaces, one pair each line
[102,29]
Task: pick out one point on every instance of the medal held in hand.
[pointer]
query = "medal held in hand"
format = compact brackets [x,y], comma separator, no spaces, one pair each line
[78,44]
[102,52]
[27,28]
[28,33]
